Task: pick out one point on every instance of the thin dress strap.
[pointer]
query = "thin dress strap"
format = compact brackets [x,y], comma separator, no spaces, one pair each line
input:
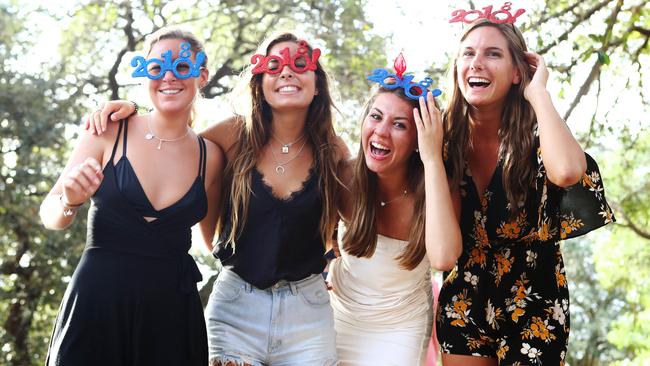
[117,139]
[126,129]
[202,158]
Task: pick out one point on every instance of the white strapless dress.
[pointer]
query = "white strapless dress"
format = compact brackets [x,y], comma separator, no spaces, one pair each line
[382,312]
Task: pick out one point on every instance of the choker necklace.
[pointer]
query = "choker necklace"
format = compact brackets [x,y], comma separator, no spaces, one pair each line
[285,147]
[384,203]
[279,167]
[150,135]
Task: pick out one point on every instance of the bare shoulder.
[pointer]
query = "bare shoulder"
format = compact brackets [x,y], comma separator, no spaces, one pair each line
[215,156]
[224,133]
[341,149]
[99,146]
[346,174]
[345,171]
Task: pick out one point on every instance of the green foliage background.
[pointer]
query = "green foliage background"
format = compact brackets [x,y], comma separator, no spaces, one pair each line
[597,51]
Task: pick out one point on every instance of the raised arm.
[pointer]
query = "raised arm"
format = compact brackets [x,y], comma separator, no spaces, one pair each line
[442,232]
[225,134]
[563,157]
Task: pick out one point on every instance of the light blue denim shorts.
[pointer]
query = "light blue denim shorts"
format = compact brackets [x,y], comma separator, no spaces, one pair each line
[290,323]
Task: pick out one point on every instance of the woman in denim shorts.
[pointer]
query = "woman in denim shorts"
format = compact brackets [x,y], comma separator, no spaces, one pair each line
[269,305]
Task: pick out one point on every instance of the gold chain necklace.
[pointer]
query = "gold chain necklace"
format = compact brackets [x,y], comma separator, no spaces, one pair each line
[384,203]
[151,135]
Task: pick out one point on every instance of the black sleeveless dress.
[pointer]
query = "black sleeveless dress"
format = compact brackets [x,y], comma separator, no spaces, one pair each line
[133,299]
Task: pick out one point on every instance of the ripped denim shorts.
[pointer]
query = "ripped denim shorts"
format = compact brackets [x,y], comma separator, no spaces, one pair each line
[290,323]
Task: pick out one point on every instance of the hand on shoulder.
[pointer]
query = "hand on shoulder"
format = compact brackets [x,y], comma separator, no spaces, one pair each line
[110,111]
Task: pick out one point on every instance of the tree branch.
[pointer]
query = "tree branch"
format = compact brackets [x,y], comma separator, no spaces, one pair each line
[557,14]
[595,69]
[634,227]
[644,31]
[214,87]
[629,223]
[584,88]
[130,46]
[574,25]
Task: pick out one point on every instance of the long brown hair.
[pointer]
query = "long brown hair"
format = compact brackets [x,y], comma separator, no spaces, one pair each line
[518,121]
[196,46]
[360,238]
[254,133]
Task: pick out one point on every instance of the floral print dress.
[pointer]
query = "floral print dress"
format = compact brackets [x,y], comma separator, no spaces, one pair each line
[507,297]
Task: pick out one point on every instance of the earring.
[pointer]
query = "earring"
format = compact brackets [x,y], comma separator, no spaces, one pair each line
[417,150]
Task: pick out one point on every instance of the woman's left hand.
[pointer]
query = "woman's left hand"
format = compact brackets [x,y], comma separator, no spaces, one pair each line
[429,125]
[540,75]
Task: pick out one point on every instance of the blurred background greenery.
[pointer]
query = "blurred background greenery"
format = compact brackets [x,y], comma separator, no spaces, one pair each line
[597,50]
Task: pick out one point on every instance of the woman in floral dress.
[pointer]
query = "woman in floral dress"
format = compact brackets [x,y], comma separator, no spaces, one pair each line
[523,183]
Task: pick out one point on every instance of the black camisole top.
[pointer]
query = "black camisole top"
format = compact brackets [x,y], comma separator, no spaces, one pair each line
[281,238]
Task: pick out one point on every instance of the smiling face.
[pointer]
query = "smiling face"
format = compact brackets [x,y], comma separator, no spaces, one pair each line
[169,93]
[288,89]
[484,68]
[388,134]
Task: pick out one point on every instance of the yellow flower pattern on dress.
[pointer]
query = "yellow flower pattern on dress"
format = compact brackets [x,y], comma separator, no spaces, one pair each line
[569,224]
[502,263]
[503,349]
[539,328]
[459,310]
[512,229]
[507,298]
[476,343]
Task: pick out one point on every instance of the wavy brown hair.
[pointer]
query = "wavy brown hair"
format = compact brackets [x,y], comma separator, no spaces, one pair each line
[254,134]
[518,120]
[360,238]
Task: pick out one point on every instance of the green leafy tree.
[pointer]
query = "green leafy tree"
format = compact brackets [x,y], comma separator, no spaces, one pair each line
[596,50]
[592,307]
[34,264]
[623,258]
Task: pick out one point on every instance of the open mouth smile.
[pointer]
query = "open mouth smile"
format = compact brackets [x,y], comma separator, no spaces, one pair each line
[378,149]
[478,82]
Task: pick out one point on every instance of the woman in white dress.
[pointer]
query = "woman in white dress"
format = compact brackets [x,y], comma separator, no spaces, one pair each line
[381,287]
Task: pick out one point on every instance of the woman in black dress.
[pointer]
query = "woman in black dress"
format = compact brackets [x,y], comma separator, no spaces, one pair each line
[523,183]
[133,299]
[270,304]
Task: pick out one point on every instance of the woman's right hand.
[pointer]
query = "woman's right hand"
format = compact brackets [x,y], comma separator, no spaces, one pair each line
[81,182]
[113,109]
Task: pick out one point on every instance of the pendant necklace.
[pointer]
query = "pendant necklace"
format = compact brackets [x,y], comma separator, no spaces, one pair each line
[285,147]
[150,135]
[384,203]
[279,167]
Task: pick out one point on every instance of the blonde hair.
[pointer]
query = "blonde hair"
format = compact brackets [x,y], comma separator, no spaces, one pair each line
[518,121]
[196,46]
[254,133]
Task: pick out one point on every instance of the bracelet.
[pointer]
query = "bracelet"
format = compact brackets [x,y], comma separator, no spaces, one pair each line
[68,210]
[136,108]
